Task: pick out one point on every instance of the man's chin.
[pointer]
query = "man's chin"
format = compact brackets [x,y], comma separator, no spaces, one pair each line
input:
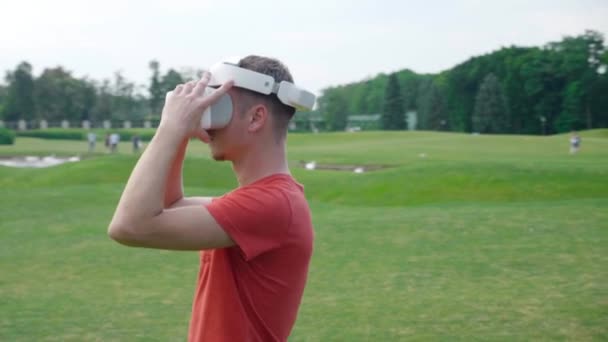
[218,156]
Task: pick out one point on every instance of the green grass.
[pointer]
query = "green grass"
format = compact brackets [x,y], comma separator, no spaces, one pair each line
[485,238]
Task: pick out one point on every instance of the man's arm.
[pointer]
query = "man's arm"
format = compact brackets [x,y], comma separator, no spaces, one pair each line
[174,191]
[141,218]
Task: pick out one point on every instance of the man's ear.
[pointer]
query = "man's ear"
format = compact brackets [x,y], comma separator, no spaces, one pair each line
[258,118]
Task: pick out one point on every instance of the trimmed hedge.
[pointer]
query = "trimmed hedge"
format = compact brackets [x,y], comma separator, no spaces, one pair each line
[81,134]
[7,137]
[55,134]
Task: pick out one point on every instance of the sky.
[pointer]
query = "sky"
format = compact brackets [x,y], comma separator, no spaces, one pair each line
[324,43]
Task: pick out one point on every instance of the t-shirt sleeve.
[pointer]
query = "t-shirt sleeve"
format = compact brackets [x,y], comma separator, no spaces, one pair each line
[256,218]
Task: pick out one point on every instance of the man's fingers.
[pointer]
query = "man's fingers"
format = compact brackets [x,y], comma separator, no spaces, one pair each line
[199,89]
[178,89]
[216,94]
[188,87]
[203,136]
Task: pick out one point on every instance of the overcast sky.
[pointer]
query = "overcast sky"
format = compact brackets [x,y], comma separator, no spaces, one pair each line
[323,42]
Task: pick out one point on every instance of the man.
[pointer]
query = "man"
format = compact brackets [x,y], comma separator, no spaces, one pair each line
[91,137]
[135,140]
[256,241]
[114,140]
[575,142]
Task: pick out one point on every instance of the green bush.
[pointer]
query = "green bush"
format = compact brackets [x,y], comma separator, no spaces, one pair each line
[7,137]
[56,134]
[81,134]
[127,134]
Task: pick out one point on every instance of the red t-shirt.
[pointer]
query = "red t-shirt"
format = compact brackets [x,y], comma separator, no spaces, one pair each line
[252,291]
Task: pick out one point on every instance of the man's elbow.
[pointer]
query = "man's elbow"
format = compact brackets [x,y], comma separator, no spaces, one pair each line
[122,233]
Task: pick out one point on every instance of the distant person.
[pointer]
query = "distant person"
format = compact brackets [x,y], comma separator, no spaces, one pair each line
[107,141]
[92,138]
[114,140]
[575,143]
[136,143]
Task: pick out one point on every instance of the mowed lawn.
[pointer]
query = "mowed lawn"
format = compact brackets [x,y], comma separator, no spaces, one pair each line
[461,237]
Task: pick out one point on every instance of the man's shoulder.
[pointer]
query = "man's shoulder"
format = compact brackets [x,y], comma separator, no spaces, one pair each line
[279,196]
[279,181]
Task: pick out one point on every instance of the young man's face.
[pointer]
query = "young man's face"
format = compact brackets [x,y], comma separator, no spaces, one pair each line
[230,142]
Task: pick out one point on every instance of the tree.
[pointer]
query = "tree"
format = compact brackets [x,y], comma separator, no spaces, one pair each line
[491,114]
[157,96]
[170,80]
[549,88]
[393,113]
[591,77]
[190,74]
[103,104]
[60,96]
[409,89]
[599,99]
[360,99]
[122,93]
[20,94]
[3,95]
[432,107]
[334,109]
[578,61]
[87,98]
[571,116]
[127,101]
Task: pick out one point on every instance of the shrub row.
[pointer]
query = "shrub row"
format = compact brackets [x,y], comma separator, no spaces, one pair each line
[81,134]
[7,137]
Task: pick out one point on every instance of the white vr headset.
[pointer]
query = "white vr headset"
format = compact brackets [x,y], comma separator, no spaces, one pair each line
[219,114]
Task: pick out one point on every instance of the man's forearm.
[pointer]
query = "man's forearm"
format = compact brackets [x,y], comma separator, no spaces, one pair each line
[143,196]
[174,190]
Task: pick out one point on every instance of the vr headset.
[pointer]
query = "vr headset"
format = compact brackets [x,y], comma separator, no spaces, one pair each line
[219,114]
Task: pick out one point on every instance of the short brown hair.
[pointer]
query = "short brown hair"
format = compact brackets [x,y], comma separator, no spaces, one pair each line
[271,67]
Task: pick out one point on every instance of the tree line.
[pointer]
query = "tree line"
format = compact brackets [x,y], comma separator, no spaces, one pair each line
[56,95]
[558,87]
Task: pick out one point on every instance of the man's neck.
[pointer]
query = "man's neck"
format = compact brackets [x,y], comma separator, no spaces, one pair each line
[261,162]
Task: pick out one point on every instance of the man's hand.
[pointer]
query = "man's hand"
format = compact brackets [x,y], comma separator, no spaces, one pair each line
[185,105]
[144,217]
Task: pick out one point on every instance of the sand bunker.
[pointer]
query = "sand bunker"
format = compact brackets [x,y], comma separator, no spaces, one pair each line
[341,167]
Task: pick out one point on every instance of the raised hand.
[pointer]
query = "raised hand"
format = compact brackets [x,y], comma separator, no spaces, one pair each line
[185,105]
